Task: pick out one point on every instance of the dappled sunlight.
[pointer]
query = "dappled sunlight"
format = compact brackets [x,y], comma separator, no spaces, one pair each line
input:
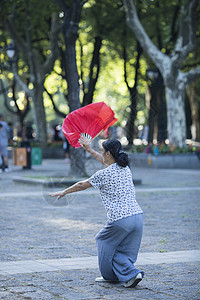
[72,224]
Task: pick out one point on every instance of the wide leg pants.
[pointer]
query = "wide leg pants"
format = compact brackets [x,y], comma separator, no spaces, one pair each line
[118,244]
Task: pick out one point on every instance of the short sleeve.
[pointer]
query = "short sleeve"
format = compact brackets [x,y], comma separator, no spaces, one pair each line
[96,179]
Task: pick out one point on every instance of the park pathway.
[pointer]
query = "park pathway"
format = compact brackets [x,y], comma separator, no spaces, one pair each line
[48,249]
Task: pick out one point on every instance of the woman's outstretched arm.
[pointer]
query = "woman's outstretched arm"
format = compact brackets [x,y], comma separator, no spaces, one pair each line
[79,186]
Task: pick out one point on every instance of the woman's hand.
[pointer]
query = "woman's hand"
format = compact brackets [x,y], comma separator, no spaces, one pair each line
[85,143]
[59,194]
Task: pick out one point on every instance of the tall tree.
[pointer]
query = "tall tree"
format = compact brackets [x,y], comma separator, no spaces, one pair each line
[170,65]
[21,22]
[70,27]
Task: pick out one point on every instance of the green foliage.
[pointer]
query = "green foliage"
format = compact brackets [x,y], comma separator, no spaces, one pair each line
[105,18]
[138,148]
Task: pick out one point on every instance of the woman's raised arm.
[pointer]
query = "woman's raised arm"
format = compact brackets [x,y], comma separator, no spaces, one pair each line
[86,146]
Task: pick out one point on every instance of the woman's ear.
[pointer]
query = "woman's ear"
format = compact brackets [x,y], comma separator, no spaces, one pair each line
[108,153]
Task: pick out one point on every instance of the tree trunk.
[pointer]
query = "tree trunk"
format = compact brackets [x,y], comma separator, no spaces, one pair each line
[130,130]
[76,155]
[94,72]
[72,77]
[133,95]
[176,121]
[77,159]
[39,115]
[70,33]
[153,111]
[192,95]
[161,112]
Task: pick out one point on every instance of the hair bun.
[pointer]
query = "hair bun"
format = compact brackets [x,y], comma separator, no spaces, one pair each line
[115,148]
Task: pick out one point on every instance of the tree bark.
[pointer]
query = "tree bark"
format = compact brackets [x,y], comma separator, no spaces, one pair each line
[71,72]
[193,98]
[176,115]
[153,111]
[39,114]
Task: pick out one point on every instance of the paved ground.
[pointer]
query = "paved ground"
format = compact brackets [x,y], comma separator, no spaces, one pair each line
[48,249]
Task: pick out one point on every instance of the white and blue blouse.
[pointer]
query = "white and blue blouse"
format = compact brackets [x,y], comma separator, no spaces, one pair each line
[117,191]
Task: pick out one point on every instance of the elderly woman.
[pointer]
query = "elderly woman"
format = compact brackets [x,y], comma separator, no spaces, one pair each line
[119,240]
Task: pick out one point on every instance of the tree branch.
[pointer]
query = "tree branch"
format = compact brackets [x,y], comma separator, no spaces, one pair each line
[173,31]
[3,91]
[187,35]
[30,54]
[62,5]
[25,48]
[94,71]
[81,65]
[159,34]
[21,83]
[83,3]
[20,42]
[125,69]
[192,75]
[59,113]
[48,65]
[27,108]
[14,97]
[160,59]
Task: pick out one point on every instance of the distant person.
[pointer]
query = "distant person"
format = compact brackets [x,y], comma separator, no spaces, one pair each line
[29,131]
[56,133]
[4,136]
[10,126]
[19,130]
[146,132]
[119,240]
[66,146]
[50,134]
[1,152]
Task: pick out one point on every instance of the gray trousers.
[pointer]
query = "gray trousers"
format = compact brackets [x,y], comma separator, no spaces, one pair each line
[118,244]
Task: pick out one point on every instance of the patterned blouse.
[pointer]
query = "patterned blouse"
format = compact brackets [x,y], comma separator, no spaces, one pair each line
[117,191]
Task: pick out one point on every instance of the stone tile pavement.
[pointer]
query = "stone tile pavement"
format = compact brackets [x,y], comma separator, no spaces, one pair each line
[47,250]
[91,262]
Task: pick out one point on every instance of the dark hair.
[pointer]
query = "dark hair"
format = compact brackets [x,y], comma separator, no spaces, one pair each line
[115,148]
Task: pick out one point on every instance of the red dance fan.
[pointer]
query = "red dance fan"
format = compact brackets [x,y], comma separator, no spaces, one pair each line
[87,121]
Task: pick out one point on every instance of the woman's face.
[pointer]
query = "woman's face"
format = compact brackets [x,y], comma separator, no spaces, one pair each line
[107,157]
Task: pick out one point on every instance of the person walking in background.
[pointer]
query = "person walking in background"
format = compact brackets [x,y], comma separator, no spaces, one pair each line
[10,128]
[4,137]
[119,240]
[1,152]
[66,146]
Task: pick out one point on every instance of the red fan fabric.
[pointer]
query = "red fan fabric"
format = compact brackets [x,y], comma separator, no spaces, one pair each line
[90,119]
